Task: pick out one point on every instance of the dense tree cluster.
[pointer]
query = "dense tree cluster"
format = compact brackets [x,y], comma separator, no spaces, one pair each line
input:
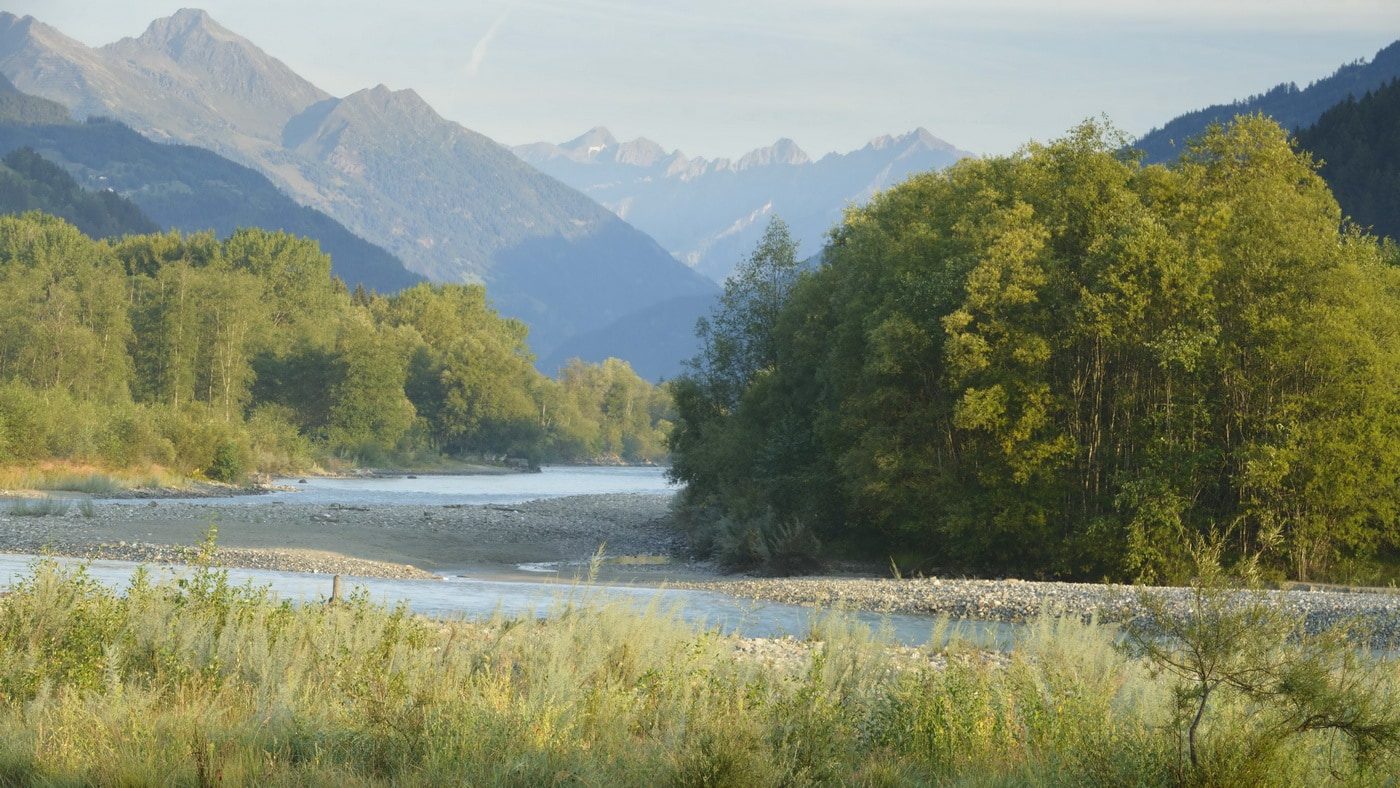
[1063,362]
[207,355]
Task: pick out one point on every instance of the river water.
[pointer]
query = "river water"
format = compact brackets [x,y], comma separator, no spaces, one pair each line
[475,599]
[553,481]
[478,597]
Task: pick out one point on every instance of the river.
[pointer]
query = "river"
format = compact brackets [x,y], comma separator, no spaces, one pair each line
[479,597]
[553,481]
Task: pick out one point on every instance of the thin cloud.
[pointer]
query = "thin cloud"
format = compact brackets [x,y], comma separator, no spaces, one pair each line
[484,43]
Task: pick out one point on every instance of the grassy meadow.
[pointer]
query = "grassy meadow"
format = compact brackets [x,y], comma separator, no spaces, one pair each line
[198,682]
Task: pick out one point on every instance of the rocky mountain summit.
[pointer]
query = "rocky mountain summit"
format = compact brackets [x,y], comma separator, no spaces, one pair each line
[709,212]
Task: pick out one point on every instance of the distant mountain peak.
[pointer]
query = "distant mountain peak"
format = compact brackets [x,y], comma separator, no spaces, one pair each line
[784,151]
[382,98]
[640,152]
[174,32]
[591,142]
[920,137]
[14,28]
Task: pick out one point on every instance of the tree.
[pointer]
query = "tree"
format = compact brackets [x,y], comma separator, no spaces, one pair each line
[369,414]
[738,341]
[1064,362]
[1231,640]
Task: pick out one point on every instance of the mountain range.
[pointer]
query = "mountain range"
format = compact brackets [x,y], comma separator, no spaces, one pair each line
[452,204]
[1293,107]
[181,187]
[710,212]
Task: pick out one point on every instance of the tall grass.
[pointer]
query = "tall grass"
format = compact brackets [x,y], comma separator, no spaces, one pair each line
[59,476]
[196,681]
[38,507]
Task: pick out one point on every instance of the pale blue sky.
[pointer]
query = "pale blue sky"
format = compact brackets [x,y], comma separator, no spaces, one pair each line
[720,77]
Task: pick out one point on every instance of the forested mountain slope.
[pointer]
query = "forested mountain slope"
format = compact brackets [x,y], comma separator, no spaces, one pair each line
[1291,106]
[28,182]
[1358,143]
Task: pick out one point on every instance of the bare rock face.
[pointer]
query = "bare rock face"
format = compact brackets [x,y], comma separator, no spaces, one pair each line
[452,204]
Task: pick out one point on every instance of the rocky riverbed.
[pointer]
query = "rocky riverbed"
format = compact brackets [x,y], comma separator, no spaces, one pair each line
[1016,601]
[554,538]
[393,541]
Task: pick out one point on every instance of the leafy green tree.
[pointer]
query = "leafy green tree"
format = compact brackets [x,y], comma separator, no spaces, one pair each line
[65,324]
[369,413]
[225,357]
[738,340]
[1064,362]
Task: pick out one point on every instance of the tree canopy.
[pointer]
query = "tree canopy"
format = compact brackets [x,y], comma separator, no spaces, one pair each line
[198,353]
[1063,362]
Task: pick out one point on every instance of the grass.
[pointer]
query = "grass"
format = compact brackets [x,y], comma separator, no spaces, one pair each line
[60,476]
[199,682]
[39,507]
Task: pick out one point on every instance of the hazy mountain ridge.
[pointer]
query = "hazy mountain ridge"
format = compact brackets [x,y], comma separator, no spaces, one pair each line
[709,212]
[177,186]
[1291,106]
[451,203]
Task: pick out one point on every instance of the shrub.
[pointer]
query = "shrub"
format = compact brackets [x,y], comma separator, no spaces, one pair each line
[778,547]
[228,464]
[39,507]
[1248,677]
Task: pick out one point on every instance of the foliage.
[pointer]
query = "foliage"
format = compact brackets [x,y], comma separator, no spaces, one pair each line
[228,464]
[1233,643]
[225,358]
[606,411]
[783,548]
[38,507]
[1063,362]
[197,680]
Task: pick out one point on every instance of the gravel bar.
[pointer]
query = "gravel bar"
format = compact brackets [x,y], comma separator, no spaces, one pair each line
[1017,601]
[388,541]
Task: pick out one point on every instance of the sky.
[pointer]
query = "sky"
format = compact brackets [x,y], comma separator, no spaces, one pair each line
[721,77]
